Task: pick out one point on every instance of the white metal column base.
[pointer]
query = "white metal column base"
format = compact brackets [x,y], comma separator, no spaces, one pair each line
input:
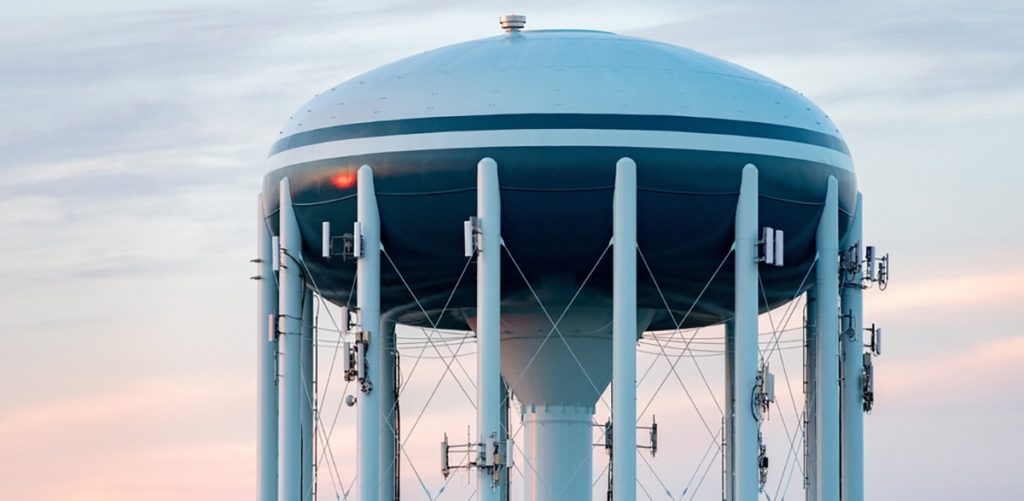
[745,426]
[624,332]
[370,416]
[810,401]
[266,350]
[308,395]
[827,368]
[852,394]
[488,321]
[290,389]
[388,402]
[729,420]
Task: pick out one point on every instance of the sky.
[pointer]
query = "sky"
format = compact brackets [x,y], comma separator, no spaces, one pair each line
[133,143]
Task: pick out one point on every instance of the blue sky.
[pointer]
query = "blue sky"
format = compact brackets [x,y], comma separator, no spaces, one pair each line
[133,144]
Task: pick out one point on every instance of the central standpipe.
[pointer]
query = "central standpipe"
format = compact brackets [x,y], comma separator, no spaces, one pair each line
[368,302]
[266,349]
[827,364]
[852,429]
[744,447]
[624,331]
[290,395]
[488,329]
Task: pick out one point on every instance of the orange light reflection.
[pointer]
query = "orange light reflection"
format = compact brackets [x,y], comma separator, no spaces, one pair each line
[344,179]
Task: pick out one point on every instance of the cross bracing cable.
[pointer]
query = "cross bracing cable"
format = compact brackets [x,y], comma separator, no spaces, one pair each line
[552,330]
[433,322]
[330,431]
[656,476]
[700,464]
[401,444]
[554,324]
[334,355]
[319,293]
[448,362]
[318,433]
[678,326]
[786,463]
[316,416]
[792,451]
[807,274]
[644,490]
[703,476]
[660,347]
[787,316]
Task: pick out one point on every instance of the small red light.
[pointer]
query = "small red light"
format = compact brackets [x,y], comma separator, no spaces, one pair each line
[344,179]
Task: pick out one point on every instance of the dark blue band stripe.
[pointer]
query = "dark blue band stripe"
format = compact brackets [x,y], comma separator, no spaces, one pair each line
[560,121]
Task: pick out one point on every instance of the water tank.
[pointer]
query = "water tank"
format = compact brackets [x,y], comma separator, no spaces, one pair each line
[556,109]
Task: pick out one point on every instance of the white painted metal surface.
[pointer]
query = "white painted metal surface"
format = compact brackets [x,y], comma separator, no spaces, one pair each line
[624,332]
[488,319]
[308,395]
[729,418]
[827,363]
[386,388]
[530,73]
[573,137]
[290,392]
[266,353]
[562,436]
[325,239]
[510,448]
[569,372]
[368,301]
[852,425]
[745,446]
[810,400]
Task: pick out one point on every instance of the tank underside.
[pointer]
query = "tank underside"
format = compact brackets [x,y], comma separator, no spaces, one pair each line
[556,224]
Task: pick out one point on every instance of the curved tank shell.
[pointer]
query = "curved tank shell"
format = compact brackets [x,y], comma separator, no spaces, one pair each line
[556,110]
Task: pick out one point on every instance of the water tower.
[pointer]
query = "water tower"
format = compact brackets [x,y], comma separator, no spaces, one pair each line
[507,186]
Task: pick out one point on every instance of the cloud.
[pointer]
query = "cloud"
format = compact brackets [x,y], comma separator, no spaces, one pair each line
[981,375]
[950,294]
[946,418]
[134,141]
[133,442]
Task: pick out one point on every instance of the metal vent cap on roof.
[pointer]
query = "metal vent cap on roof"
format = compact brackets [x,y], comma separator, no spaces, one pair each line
[513,22]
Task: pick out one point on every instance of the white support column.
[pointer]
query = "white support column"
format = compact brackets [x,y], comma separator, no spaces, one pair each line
[810,402]
[290,396]
[388,404]
[503,492]
[852,425]
[488,322]
[729,475]
[624,326]
[368,302]
[827,369]
[745,446]
[266,353]
[308,395]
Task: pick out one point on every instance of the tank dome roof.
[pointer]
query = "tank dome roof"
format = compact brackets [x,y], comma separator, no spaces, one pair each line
[560,71]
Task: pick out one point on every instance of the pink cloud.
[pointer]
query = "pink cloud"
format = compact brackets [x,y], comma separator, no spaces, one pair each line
[157,439]
[963,292]
[986,370]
